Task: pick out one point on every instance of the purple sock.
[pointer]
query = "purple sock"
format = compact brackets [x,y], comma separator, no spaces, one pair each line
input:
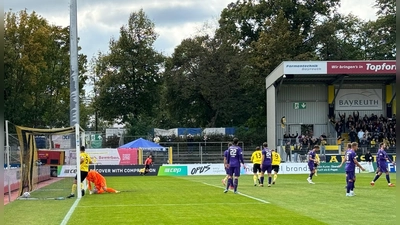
[388,178]
[261,180]
[229,183]
[269,180]
[235,184]
[349,186]
[311,174]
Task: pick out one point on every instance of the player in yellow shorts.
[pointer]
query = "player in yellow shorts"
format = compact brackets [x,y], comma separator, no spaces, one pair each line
[85,160]
[276,161]
[256,160]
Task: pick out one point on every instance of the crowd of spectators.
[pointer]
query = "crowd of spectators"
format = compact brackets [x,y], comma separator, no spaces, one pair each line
[368,131]
[303,141]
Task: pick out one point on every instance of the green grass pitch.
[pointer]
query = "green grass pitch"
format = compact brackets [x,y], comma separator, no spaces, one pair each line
[200,200]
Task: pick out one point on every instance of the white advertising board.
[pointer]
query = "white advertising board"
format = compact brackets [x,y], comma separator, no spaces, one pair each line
[359,99]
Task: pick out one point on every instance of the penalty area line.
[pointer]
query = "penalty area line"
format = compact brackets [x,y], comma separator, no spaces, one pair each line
[248,196]
[71,210]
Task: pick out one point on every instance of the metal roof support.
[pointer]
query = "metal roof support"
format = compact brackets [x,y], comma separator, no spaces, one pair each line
[391,100]
[278,88]
[340,86]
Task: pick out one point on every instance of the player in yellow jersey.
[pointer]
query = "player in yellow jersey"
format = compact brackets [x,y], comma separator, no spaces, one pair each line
[256,160]
[276,161]
[84,169]
[316,163]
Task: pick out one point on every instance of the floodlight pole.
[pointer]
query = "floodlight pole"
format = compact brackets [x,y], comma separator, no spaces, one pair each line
[74,78]
[78,160]
[8,162]
[74,88]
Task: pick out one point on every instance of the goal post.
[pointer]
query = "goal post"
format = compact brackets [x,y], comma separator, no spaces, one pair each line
[28,151]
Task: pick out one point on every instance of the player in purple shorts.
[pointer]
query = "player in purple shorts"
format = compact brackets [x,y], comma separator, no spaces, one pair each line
[344,161]
[266,164]
[232,161]
[311,160]
[351,163]
[381,160]
[227,168]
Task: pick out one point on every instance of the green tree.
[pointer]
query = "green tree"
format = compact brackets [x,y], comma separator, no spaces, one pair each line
[340,37]
[131,81]
[381,34]
[36,64]
[244,20]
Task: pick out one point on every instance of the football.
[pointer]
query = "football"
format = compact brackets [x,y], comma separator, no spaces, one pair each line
[26,195]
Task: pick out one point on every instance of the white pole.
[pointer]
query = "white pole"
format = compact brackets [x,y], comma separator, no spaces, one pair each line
[78,161]
[8,162]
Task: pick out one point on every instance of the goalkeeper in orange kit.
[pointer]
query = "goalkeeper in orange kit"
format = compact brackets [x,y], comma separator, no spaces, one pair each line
[100,184]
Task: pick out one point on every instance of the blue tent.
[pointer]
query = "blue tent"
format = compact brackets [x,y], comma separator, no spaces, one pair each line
[144,145]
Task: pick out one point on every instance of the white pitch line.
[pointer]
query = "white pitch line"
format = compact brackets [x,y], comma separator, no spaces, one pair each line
[172,204]
[71,210]
[248,196]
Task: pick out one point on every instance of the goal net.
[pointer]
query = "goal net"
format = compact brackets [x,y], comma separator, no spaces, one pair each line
[32,168]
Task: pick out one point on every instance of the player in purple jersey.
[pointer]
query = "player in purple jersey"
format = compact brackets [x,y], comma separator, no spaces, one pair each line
[232,161]
[311,159]
[351,163]
[381,160]
[227,169]
[343,161]
[266,164]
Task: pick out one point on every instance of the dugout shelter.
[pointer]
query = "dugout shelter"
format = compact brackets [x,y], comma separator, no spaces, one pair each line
[308,92]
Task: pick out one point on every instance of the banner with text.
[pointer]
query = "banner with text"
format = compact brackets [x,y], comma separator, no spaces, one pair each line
[124,170]
[362,67]
[108,170]
[360,158]
[302,67]
[358,99]
[106,156]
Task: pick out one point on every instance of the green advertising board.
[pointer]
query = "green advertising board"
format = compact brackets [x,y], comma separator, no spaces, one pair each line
[173,171]
[334,168]
[330,168]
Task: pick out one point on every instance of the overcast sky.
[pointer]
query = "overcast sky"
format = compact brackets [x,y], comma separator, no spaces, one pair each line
[99,20]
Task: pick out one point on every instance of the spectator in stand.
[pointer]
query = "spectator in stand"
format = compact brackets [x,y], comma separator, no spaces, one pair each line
[288,152]
[364,144]
[360,135]
[356,116]
[305,143]
[352,135]
[339,128]
[286,137]
[350,123]
[314,141]
[373,143]
[293,138]
[366,118]
[342,119]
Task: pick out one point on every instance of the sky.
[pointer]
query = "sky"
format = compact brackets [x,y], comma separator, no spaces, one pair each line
[175,20]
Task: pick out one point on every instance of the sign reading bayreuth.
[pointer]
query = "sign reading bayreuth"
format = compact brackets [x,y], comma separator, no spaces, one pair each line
[359,99]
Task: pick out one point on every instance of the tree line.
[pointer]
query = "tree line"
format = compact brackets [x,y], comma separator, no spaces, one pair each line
[213,79]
